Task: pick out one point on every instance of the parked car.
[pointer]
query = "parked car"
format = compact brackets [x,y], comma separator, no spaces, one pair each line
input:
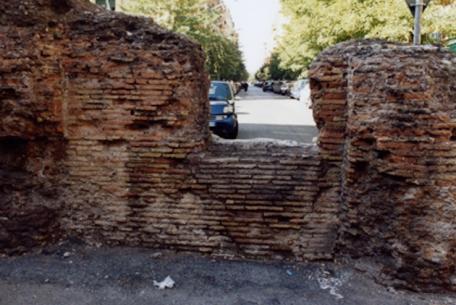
[298,86]
[304,94]
[276,86]
[267,86]
[286,88]
[223,120]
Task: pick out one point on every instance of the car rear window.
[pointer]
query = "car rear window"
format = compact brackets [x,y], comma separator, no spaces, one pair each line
[219,91]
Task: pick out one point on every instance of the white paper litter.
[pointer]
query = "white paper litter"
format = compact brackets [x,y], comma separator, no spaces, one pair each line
[327,282]
[166,283]
[156,255]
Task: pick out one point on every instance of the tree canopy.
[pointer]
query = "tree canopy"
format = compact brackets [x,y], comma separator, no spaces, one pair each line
[314,25]
[197,20]
[272,69]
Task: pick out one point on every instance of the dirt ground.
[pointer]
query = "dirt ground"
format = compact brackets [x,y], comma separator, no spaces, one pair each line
[71,274]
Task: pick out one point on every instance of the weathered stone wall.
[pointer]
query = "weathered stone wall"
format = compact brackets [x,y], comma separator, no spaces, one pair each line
[109,114]
[104,135]
[88,100]
[398,153]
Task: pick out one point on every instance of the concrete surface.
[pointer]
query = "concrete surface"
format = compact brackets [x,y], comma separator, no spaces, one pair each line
[75,274]
[268,115]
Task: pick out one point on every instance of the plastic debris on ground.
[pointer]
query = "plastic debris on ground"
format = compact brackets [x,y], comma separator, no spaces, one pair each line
[168,282]
[326,281]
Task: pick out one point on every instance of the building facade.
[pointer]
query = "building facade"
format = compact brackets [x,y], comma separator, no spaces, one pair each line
[225,22]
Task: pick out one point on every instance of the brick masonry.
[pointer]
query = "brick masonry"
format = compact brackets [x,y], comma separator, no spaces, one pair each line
[266,197]
[386,115]
[236,199]
[90,100]
[104,136]
[124,103]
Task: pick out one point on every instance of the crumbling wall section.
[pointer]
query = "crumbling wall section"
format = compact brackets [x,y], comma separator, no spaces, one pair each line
[118,108]
[89,100]
[32,146]
[104,135]
[329,89]
[30,205]
[397,180]
[133,118]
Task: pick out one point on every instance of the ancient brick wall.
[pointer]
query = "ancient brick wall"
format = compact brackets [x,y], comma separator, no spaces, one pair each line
[104,135]
[264,198]
[109,114]
[89,99]
[249,199]
[398,183]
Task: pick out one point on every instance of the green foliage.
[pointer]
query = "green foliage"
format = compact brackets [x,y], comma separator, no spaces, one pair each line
[317,24]
[273,69]
[198,21]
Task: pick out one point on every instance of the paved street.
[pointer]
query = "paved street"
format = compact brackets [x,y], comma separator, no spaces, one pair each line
[73,274]
[268,115]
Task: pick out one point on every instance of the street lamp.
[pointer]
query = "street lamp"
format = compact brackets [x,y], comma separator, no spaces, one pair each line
[417,8]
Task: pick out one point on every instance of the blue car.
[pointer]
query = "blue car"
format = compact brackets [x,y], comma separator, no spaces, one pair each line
[223,120]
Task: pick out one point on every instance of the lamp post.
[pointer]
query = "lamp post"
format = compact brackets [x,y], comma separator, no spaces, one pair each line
[417,27]
[417,8]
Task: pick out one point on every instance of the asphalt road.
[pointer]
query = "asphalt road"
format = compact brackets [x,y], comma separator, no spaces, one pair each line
[123,276]
[268,115]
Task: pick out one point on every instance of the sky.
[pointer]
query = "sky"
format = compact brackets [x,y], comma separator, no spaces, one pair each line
[255,21]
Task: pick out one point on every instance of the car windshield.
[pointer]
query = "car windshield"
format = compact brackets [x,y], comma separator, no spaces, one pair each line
[219,92]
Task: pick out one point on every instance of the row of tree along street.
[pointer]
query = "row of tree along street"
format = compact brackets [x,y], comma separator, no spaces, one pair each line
[314,25]
[205,22]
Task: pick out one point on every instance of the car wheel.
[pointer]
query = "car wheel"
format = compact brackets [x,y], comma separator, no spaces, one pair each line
[234,132]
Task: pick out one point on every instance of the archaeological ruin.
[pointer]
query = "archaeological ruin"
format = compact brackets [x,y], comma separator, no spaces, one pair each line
[104,137]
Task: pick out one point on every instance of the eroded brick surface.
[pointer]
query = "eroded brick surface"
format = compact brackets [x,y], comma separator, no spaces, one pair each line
[104,135]
[235,198]
[264,199]
[125,104]
[395,142]
[89,101]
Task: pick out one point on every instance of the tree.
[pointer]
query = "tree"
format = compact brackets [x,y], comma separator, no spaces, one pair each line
[198,21]
[317,24]
[273,69]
